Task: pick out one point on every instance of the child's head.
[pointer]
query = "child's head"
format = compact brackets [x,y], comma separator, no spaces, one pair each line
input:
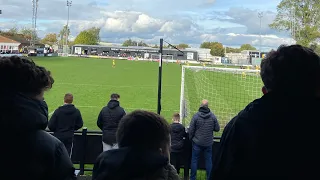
[176,118]
[144,130]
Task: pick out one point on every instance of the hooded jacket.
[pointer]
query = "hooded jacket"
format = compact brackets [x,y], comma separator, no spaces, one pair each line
[202,126]
[133,164]
[109,119]
[64,121]
[27,151]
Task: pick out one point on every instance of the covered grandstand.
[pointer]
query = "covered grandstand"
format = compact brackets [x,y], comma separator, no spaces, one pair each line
[134,52]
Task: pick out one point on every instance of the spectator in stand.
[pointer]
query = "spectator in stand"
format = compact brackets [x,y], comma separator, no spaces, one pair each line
[144,143]
[202,126]
[178,134]
[23,119]
[275,136]
[108,122]
[64,121]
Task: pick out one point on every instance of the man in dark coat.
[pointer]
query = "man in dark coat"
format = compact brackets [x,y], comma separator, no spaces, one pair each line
[201,129]
[64,121]
[275,136]
[27,150]
[108,122]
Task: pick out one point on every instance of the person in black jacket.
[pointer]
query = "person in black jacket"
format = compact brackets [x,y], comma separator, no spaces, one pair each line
[201,129]
[108,122]
[276,136]
[27,150]
[143,154]
[64,121]
[178,134]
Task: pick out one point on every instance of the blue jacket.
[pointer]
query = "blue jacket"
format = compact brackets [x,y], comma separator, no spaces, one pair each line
[202,126]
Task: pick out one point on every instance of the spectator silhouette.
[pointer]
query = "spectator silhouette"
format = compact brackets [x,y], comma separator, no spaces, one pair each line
[108,122]
[201,130]
[27,151]
[64,121]
[178,134]
[144,143]
[276,136]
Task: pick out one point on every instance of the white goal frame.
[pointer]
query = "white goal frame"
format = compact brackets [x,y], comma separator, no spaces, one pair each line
[182,92]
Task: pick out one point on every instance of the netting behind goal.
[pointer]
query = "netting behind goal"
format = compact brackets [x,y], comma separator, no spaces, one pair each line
[228,90]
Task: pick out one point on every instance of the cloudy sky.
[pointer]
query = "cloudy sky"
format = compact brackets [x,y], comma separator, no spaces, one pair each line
[231,22]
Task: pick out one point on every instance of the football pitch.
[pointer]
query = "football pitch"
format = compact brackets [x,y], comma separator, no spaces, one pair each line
[91,81]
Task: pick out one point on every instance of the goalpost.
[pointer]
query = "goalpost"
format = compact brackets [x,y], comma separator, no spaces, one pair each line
[228,91]
[164,57]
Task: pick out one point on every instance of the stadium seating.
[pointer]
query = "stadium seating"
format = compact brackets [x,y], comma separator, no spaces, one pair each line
[87,146]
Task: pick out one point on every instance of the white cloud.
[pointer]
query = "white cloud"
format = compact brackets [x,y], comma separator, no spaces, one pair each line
[180,21]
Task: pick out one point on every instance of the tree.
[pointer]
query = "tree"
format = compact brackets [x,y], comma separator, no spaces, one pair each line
[86,37]
[62,34]
[13,30]
[50,39]
[247,47]
[95,31]
[304,14]
[232,50]
[217,48]
[182,46]
[27,33]
[129,42]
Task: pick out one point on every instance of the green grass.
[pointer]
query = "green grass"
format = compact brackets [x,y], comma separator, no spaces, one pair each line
[93,80]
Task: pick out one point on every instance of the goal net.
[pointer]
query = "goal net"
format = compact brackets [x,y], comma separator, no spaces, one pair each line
[164,57]
[228,91]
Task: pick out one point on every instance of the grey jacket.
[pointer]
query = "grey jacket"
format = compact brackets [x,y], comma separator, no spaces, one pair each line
[202,126]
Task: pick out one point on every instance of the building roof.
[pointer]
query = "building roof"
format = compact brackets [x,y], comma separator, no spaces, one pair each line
[19,38]
[7,40]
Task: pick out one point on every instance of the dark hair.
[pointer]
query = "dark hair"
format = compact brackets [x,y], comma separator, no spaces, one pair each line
[143,129]
[68,98]
[291,69]
[115,96]
[21,75]
[176,116]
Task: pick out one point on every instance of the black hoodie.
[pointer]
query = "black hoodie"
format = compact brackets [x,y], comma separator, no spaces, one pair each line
[132,164]
[24,142]
[64,121]
[202,126]
[109,119]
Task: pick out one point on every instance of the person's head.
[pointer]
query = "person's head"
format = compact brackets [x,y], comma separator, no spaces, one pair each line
[144,130]
[115,96]
[22,76]
[204,103]
[68,98]
[176,118]
[291,70]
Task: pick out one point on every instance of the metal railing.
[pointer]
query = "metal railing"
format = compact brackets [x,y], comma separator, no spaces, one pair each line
[87,146]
